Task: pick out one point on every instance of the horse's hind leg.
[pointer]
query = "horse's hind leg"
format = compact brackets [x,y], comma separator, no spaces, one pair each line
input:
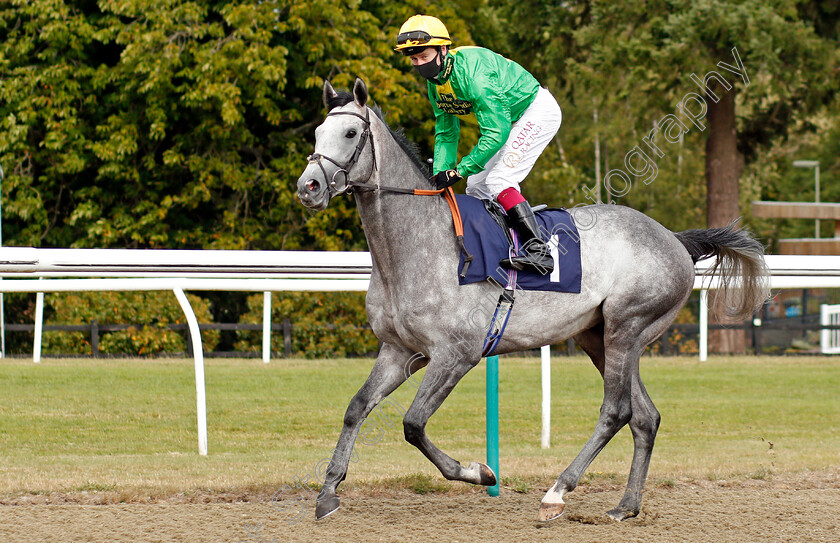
[592,343]
[616,410]
[438,382]
[644,424]
[625,400]
[390,371]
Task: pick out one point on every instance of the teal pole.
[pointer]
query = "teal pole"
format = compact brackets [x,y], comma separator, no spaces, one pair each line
[493,421]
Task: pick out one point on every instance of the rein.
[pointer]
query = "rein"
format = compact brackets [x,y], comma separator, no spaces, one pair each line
[449,196]
[348,186]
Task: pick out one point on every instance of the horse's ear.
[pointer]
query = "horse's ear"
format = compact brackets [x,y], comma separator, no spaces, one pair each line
[360,92]
[329,93]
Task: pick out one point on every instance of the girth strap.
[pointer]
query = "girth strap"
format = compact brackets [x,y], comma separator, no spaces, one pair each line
[504,307]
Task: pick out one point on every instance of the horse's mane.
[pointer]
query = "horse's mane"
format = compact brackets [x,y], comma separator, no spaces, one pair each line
[342,98]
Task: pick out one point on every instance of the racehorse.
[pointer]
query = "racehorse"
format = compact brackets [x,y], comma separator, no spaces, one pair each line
[636,276]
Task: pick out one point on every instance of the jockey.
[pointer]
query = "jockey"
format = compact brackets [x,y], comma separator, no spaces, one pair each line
[516,118]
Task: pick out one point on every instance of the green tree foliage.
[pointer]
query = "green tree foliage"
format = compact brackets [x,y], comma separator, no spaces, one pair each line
[773,177]
[129,125]
[645,54]
[185,123]
[324,324]
[152,311]
[631,63]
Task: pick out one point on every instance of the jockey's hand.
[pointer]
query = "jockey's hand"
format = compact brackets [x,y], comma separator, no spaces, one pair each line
[446,178]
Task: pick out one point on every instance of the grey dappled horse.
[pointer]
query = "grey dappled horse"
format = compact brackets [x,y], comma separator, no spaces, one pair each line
[637,275]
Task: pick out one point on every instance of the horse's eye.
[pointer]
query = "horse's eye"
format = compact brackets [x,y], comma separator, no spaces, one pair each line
[350,134]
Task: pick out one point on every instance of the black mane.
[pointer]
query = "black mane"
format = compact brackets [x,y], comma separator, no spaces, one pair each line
[342,98]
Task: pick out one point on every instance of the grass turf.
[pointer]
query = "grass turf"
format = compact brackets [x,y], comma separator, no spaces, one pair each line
[128,426]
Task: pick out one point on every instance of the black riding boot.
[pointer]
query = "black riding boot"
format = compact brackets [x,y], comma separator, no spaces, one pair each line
[534,253]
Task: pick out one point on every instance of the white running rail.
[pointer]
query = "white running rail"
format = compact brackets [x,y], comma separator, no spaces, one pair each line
[74,270]
[786,271]
[68,270]
[830,339]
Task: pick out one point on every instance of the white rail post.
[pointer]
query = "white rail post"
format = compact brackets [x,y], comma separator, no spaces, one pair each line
[545,353]
[39,326]
[2,326]
[825,337]
[704,324]
[200,399]
[266,355]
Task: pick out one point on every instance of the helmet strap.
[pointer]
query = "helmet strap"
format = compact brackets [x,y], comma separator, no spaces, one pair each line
[447,63]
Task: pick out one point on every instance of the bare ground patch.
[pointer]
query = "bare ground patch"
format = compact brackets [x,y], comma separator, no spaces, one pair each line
[800,507]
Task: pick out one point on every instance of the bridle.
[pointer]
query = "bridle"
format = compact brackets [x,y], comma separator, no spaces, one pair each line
[345,168]
[348,186]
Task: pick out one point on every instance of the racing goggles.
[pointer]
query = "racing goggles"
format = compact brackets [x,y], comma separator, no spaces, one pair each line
[415,37]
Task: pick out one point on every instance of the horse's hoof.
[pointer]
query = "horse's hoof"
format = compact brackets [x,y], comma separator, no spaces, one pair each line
[618,514]
[550,511]
[325,507]
[486,476]
[552,505]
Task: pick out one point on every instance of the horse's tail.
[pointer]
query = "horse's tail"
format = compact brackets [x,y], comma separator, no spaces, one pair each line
[739,257]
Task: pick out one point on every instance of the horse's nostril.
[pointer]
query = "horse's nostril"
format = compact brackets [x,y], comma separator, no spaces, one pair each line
[313,185]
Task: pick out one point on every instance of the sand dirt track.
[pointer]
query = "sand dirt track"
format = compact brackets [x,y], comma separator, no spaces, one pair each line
[792,508]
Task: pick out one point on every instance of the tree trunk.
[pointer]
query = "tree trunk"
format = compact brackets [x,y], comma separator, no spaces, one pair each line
[723,169]
[722,164]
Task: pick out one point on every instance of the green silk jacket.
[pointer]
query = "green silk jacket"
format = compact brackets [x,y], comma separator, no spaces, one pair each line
[480,85]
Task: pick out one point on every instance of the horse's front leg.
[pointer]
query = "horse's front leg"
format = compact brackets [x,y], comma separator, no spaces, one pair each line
[438,382]
[393,366]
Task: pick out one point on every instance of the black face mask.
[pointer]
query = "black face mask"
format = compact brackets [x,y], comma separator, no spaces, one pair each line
[431,69]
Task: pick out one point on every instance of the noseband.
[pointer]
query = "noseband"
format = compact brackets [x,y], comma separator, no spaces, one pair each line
[344,169]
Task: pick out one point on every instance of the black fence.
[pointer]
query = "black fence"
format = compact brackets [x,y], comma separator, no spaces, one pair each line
[767,336]
[774,336]
[95,328]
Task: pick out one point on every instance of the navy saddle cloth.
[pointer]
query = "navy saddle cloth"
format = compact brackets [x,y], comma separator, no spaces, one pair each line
[486,241]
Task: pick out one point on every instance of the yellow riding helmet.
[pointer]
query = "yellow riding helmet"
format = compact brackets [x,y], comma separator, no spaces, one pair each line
[421,31]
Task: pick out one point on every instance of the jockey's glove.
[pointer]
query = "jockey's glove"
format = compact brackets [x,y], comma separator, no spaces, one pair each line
[446,178]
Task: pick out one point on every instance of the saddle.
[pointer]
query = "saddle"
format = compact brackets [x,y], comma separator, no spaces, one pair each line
[487,239]
[484,238]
